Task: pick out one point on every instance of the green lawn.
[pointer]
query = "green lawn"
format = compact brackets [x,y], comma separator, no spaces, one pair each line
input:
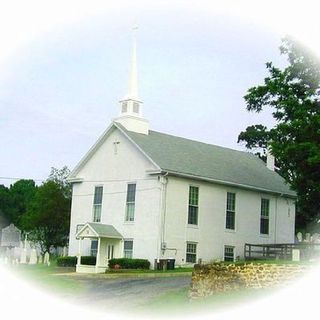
[48,278]
[177,301]
[56,279]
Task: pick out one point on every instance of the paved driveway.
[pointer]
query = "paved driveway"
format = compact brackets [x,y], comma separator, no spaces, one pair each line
[126,293]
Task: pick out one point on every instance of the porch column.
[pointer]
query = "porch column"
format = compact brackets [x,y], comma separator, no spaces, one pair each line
[79,253]
[121,249]
[98,255]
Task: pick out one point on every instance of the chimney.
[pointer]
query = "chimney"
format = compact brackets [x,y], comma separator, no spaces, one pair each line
[270,159]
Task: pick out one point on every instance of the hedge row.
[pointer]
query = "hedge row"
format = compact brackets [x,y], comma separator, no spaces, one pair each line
[125,263]
[121,263]
[72,261]
[66,261]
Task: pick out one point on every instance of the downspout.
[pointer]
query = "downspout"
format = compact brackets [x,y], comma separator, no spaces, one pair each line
[276,218]
[164,181]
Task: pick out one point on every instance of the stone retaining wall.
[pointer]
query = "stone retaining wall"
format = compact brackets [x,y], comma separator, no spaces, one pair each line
[217,277]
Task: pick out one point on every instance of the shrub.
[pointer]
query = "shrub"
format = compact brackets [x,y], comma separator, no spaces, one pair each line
[66,261]
[88,260]
[72,261]
[126,263]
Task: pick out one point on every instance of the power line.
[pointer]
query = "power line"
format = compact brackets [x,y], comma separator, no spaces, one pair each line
[98,181]
[116,192]
[84,181]
[118,180]
[15,178]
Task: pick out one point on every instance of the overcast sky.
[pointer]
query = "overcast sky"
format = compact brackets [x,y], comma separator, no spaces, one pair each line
[60,89]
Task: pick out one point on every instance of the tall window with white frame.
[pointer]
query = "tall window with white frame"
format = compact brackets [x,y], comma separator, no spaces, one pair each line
[264,216]
[231,211]
[110,250]
[191,252]
[94,247]
[193,205]
[130,204]
[228,253]
[128,249]
[97,203]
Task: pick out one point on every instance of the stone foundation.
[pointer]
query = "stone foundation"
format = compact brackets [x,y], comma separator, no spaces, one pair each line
[217,277]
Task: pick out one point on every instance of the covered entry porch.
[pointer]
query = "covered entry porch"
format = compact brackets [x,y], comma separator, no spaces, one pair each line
[109,246]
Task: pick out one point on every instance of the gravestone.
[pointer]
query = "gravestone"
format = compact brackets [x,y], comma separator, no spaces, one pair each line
[23,253]
[40,259]
[33,256]
[64,254]
[308,238]
[23,256]
[46,258]
[299,237]
[295,255]
[9,254]
[11,236]
[315,238]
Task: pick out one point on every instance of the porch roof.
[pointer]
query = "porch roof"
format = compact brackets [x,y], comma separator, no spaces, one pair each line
[98,230]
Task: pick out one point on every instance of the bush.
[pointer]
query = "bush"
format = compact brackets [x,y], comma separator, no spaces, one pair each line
[88,260]
[66,261]
[126,263]
[72,261]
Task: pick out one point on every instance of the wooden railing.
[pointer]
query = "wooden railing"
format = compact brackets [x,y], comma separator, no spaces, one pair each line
[281,251]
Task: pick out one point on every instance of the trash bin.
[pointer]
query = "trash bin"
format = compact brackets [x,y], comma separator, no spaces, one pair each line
[160,264]
[170,264]
[164,264]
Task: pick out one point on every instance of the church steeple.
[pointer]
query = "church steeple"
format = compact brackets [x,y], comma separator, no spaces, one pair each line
[133,79]
[131,106]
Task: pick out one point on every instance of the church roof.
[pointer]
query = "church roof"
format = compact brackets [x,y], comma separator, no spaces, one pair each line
[194,159]
[99,230]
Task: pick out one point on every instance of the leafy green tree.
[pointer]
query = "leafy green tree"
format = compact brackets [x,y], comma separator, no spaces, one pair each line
[59,176]
[293,96]
[21,194]
[5,205]
[48,217]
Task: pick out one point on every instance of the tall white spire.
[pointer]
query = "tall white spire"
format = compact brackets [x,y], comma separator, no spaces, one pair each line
[131,106]
[133,78]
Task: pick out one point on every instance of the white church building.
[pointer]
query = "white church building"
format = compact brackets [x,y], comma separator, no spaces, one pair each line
[139,193]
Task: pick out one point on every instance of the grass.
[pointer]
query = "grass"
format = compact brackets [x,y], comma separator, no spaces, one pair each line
[177,301]
[56,279]
[47,277]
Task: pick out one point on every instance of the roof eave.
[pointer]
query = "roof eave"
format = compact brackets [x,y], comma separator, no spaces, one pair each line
[88,155]
[74,180]
[89,236]
[137,146]
[110,237]
[229,183]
